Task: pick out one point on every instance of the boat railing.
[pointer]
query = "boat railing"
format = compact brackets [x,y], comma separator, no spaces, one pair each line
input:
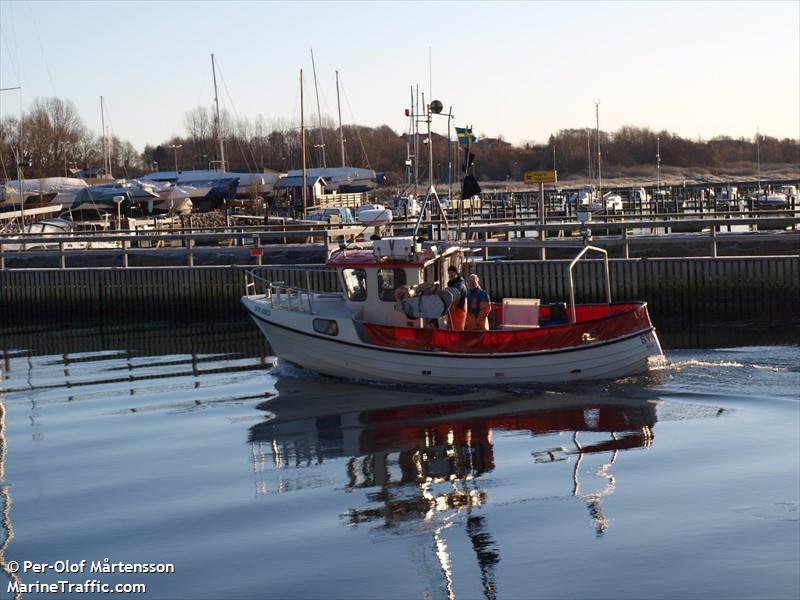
[571,279]
[251,281]
[285,296]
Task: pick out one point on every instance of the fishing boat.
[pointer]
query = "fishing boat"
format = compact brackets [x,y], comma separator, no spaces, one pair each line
[368,331]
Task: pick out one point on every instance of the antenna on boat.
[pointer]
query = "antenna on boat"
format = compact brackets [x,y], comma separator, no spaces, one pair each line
[339,108]
[430,72]
[410,156]
[319,112]
[218,122]
[414,110]
[434,108]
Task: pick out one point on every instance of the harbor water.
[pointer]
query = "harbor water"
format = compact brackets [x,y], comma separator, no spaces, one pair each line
[186,445]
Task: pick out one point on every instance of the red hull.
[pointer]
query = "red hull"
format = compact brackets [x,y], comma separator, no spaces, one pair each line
[595,323]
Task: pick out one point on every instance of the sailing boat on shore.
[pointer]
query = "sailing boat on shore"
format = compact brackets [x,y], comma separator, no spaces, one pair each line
[343,179]
[591,198]
[765,198]
[207,188]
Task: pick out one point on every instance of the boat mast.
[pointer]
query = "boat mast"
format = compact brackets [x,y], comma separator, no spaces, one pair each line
[589,153]
[106,158]
[758,157]
[658,162]
[303,145]
[218,122]
[319,112]
[599,158]
[339,108]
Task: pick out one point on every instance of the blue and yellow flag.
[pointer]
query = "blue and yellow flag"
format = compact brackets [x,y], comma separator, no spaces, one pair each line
[465,136]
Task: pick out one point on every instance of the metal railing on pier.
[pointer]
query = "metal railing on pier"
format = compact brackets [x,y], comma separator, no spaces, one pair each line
[248,245]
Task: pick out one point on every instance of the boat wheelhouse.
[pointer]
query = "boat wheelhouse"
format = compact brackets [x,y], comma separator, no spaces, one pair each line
[389,323]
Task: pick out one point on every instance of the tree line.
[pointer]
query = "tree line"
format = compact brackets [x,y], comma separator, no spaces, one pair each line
[53,136]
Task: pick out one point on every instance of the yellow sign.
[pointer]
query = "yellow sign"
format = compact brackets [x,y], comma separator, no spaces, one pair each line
[540,177]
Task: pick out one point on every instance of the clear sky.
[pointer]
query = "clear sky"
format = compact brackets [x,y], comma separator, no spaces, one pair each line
[520,69]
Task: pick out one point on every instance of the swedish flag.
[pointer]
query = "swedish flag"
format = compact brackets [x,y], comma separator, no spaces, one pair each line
[465,136]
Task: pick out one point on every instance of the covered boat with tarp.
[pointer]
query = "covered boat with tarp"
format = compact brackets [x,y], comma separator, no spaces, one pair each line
[105,198]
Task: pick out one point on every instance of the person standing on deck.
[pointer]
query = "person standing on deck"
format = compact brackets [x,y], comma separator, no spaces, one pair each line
[478,305]
[458,311]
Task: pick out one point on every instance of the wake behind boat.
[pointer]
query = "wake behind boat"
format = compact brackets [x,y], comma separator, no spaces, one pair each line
[364,332]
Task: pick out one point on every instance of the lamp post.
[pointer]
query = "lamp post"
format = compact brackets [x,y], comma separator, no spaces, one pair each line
[119,200]
[65,145]
[175,147]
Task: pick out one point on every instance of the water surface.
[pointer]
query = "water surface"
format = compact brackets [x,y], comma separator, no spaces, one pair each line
[181,443]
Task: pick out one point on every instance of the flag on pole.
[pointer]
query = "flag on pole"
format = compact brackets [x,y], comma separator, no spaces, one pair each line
[465,136]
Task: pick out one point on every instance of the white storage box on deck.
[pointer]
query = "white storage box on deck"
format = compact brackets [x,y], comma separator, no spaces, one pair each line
[520,313]
[395,247]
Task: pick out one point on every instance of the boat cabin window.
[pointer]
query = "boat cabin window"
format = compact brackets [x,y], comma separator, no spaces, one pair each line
[388,281]
[431,273]
[436,272]
[355,283]
[326,326]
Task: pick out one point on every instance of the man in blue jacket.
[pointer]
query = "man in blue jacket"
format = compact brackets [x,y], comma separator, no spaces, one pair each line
[479,305]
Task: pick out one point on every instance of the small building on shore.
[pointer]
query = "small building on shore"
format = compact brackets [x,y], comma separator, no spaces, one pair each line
[289,190]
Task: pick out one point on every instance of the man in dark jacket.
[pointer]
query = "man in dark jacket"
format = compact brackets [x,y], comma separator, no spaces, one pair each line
[458,310]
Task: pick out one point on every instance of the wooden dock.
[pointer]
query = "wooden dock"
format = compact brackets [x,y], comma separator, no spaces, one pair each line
[729,287]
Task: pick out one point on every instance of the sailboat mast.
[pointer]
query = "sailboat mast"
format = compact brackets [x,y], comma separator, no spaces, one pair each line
[599,157]
[303,145]
[758,157]
[658,161]
[106,160]
[339,108]
[319,112]
[218,121]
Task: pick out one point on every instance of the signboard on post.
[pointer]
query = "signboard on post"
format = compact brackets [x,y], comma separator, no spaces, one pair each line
[531,177]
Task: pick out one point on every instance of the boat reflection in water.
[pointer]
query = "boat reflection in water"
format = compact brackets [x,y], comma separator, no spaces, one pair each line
[420,457]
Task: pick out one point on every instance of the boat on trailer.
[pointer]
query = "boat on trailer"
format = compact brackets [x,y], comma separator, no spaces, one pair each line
[364,333]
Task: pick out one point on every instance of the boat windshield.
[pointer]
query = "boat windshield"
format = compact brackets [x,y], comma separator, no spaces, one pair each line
[388,281]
